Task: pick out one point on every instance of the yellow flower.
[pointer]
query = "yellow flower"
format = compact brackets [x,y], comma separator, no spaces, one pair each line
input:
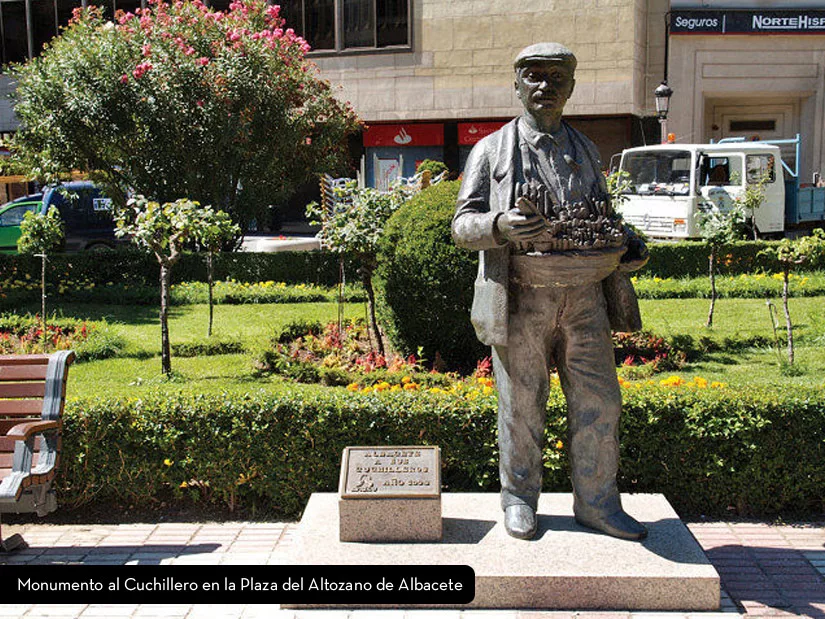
[353,387]
[168,462]
[411,386]
[382,386]
[366,390]
[487,390]
[559,445]
[406,380]
[672,381]
[184,484]
[395,388]
[700,382]
[717,385]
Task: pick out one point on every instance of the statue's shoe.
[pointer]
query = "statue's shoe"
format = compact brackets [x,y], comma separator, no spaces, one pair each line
[520,521]
[618,524]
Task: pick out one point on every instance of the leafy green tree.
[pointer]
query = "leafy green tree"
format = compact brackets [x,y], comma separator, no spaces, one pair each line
[719,228]
[751,199]
[40,235]
[791,254]
[213,230]
[180,100]
[162,229]
[353,225]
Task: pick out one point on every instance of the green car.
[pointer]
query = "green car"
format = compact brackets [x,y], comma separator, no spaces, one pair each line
[11,214]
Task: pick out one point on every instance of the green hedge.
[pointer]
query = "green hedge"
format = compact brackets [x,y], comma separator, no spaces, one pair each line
[138,268]
[710,451]
[684,259]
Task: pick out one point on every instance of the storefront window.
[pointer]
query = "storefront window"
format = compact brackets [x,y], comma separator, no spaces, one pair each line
[15,44]
[43,24]
[361,23]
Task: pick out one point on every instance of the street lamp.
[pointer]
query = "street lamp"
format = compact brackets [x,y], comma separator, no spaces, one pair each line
[663,93]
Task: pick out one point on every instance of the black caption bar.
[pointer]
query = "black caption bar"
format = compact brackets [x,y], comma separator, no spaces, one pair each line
[203,584]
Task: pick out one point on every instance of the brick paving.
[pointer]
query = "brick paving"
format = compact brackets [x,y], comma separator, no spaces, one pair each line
[765,570]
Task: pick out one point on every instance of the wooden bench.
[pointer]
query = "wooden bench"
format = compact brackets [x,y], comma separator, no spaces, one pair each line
[32,393]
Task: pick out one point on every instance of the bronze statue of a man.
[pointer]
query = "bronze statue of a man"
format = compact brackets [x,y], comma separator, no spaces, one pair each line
[535,204]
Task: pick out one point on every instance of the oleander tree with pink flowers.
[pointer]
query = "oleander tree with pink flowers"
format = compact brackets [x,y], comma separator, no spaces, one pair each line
[177,100]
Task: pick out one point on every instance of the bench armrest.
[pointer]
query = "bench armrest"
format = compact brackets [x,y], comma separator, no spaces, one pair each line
[22,431]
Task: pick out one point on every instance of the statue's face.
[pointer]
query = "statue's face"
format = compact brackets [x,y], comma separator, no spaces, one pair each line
[544,87]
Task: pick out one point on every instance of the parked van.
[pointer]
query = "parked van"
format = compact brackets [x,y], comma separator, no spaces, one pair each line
[86,214]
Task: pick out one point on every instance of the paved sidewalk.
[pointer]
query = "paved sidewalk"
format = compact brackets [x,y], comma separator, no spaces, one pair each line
[766,570]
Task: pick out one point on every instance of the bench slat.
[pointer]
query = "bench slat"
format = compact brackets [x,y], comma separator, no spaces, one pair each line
[22,390]
[18,408]
[24,360]
[22,372]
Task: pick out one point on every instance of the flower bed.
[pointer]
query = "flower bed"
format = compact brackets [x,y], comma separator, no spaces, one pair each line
[89,340]
[26,289]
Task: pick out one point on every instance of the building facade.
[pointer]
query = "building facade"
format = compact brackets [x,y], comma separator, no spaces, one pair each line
[431,77]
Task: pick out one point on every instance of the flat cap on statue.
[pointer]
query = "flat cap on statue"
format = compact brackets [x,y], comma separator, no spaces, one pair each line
[545,52]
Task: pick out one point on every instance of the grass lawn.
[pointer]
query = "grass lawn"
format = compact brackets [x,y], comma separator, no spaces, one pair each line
[742,318]
[137,371]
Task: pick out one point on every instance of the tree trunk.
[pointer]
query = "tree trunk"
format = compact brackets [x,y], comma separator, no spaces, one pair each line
[342,281]
[165,352]
[366,278]
[43,297]
[210,283]
[712,271]
[785,277]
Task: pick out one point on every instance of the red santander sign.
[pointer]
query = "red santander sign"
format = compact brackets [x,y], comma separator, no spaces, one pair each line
[470,133]
[412,134]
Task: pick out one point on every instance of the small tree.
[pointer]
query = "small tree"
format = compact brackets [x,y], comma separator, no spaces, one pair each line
[213,230]
[162,229]
[178,99]
[718,228]
[353,226]
[751,199]
[791,254]
[39,235]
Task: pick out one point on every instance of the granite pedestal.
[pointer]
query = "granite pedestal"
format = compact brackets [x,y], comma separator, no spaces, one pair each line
[566,566]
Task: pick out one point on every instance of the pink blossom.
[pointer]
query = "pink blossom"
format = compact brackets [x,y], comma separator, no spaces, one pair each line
[234,35]
[125,17]
[141,69]
[147,49]
[273,11]
[124,79]
[203,61]
[199,103]
[308,141]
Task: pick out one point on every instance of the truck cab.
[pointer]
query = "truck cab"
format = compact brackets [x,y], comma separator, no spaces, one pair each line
[670,183]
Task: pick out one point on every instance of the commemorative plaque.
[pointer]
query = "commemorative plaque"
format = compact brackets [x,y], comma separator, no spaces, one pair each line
[390,494]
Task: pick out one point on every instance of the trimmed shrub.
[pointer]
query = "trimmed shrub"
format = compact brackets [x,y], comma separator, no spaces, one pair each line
[715,452]
[690,259]
[426,282]
[207,347]
[135,267]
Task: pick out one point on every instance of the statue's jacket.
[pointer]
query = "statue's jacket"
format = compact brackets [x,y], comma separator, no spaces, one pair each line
[488,188]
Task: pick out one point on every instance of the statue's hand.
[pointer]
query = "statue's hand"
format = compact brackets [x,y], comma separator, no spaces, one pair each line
[637,253]
[513,225]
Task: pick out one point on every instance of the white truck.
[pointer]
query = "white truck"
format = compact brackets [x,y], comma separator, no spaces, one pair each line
[669,183]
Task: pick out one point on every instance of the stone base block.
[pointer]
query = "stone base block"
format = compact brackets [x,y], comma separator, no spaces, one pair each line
[566,566]
[389,520]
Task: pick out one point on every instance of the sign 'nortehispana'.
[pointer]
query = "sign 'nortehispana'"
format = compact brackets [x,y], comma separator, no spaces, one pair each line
[799,21]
